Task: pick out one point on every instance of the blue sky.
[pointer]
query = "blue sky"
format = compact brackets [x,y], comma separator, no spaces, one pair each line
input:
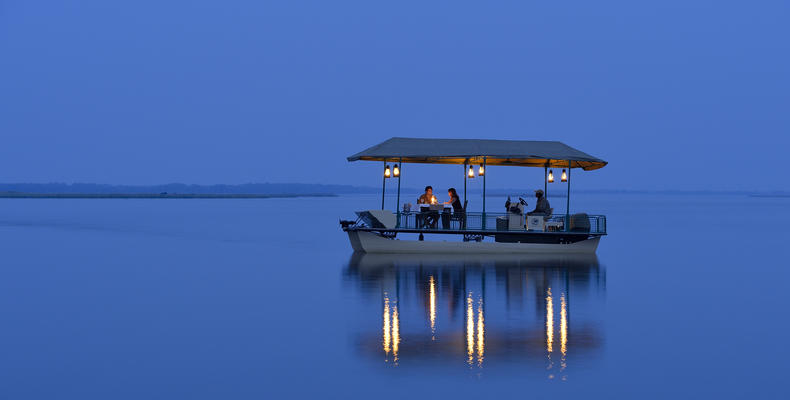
[674,94]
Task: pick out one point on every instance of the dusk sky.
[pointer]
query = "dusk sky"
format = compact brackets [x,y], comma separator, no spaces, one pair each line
[674,94]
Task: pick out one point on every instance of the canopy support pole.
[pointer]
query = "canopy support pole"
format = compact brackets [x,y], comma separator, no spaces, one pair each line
[464,182]
[568,201]
[383,184]
[485,172]
[397,202]
[546,179]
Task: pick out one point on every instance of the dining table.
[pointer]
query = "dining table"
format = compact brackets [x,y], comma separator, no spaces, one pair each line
[428,216]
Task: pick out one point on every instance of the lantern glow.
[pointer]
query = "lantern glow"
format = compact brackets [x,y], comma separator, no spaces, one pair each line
[471,173]
[551,176]
[564,177]
[387,172]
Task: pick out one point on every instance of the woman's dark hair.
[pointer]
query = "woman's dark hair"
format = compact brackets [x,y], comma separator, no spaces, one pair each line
[428,187]
[453,192]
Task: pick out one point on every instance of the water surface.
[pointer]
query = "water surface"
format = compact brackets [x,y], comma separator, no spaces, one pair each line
[263,298]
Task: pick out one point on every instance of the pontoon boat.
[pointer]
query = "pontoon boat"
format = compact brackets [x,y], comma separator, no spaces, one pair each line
[384,231]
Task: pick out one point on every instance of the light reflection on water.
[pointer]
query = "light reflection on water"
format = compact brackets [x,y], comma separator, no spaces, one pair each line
[563,332]
[470,330]
[390,331]
[549,322]
[387,333]
[488,311]
[395,334]
[432,312]
[473,341]
[480,334]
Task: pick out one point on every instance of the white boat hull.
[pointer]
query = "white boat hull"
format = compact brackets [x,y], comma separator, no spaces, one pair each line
[369,242]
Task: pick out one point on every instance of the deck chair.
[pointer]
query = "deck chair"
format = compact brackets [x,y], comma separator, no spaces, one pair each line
[460,217]
[580,223]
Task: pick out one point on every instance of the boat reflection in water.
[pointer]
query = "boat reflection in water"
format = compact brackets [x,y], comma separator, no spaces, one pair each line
[481,312]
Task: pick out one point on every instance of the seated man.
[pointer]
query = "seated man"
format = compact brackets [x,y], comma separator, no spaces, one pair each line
[427,197]
[427,219]
[542,206]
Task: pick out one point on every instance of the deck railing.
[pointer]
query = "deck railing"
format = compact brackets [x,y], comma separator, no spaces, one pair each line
[499,222]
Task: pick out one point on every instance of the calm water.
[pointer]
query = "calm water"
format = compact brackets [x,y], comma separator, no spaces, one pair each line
[264,299]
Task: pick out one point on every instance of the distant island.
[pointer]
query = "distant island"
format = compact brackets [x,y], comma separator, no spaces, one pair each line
[779,195]
[164,195]
[174,191]
[181,188]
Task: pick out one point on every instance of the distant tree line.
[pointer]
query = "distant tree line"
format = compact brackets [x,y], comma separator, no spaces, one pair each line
[311,188]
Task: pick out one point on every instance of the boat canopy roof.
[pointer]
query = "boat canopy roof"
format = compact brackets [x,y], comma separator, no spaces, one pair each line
[525,153]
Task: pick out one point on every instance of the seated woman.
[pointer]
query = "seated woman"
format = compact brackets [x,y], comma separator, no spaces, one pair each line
[458,210]
[455,201]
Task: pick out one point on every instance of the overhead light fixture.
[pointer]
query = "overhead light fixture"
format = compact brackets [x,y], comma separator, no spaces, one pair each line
[471,173]
[387,172]
[395,171]
[481,171]
[551,176]
[564,177]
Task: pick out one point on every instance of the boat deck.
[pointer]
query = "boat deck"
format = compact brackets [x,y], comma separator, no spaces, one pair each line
[484,224]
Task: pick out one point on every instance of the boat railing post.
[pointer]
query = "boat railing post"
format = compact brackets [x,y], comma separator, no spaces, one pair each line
[397,202]
[568,201]
[485,172]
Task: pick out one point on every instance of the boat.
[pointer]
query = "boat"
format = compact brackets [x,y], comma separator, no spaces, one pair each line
[512,232]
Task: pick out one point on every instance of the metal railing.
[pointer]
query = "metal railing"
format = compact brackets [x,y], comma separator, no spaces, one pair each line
[500,222]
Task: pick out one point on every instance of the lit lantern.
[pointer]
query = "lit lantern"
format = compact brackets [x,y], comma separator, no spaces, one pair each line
[551,176]
[481,171]
[387,173]
[471,173]
[433,199]
[395,171]
[564,176]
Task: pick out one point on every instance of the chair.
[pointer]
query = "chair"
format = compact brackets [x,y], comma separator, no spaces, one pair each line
[460,216]
[546,216]
[580,223]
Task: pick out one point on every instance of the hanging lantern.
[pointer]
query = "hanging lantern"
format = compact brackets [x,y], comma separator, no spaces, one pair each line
[551,176]
[481,171]
[395,171]
[564,176]
[471,173]
[387,173]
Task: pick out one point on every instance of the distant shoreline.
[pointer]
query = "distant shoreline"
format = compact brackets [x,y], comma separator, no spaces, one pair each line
[12,195]
[285,190]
